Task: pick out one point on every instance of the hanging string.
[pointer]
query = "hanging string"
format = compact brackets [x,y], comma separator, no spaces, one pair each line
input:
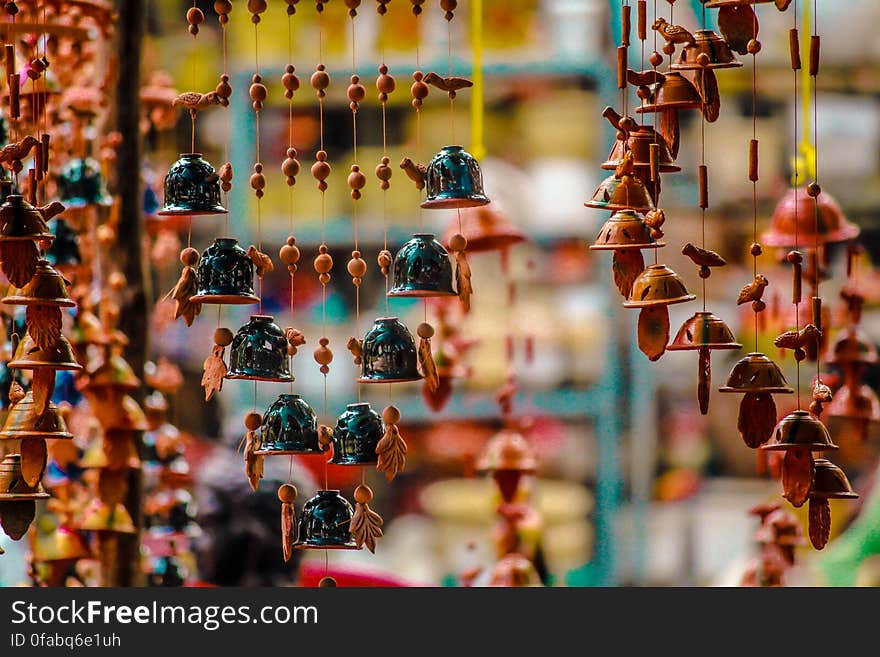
[814,74]
[797,320]
[753,172]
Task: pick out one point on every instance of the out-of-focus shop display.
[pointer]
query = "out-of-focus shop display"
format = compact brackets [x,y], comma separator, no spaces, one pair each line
[438,293]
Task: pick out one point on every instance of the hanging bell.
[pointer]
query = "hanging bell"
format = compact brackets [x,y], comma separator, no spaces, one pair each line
[658,285]
[225,274]
[325,523]
[192,187]
[714,4]
[29,357]
[46,288]
[639,144]
[625,231]
[800,430]
[19,220]
[830,482]
[486,228]
[454,180]
[53,543]
[507,457]
[422,268]
[81,184]
[259,352]
[12,484]
[110,371]
[851,346]
[675,92]
[704,330]
[24,421]
[625,193]
[708,50]
[119,412]
[756,373]
[87,330]
[795,217]
[857,402]
[780,527]
[388,353]
[102,517]
[358,431]
[289,427]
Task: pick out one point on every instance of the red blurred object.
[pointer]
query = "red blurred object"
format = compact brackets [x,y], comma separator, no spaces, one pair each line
[311,573]
[795,215]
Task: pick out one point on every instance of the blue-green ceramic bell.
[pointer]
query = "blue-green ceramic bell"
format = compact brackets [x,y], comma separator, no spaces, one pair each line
[289,427]
[325,522]
[388,353]
[259,352]
[422,269]
[358,430]
[192,187]
[454,180]
[80,183]
[64,251]
[225,274]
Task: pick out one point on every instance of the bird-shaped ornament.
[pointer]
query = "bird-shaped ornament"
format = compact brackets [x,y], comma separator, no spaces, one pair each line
[753,291]
[673,34]
[195,101]
[12,155]
[414,171]
[448,84]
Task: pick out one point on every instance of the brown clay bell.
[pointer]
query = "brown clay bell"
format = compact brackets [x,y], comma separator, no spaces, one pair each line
[486,228]
[12,483]
[625,230]
[625,193]
[858,402]
[46,288]
[708,50]
[800,430]
[658,285]
[704,330]
[830,482]
[111,371]
[795,216]
[24,421]
[29,357]
[639,144]
[756,373]
[851,346]
[675,92]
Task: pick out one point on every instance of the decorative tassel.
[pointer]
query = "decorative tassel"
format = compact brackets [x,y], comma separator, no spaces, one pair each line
[626,267]
[253,463]
[391,448]
[44,325]
[33,460]
[797,476]
[458,244]
[18,261]
[820,522]
[366,524]
[42,385]
[287,494]
[426,358]
[704,379]
[757,418]
[356,347]
[653,331]
[262,262]
[186,288]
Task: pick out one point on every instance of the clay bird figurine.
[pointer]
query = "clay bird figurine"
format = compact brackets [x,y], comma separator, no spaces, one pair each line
[753,291]
[356,347]
[51,210]
[414,171]
[703,257]
[626,166]
[798,339]
[261,261]
[655,219]
[672,33]
[449,84]
[295,337]
[194,101]
[644,78]
[224,173]
[821,393]
[12,154]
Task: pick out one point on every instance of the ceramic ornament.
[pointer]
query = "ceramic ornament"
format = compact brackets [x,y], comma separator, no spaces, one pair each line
[366,524]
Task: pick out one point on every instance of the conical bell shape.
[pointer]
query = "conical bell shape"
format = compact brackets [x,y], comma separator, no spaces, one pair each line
[625,193]
[658,285]
[111,370]
[388,353]
[19,220]
[800,430]
[851,346]
[290,426]
[830,482]
[625,231]
[795,216]
[23,421]
[422,268]
[454,180]
[57,543]
[46,288]
[325,523]
[855,403]
[259,352]
[706,42]
[225,274]
[101,517]
[88,329]
[118,413]
[192,188]
[29,357]
[358,431]
[81,184]
[704,330]
[639,144]
[486,228]
[756,373]
[675,92]
[12,484]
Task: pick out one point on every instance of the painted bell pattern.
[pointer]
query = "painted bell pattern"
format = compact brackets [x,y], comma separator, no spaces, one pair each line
[259,352]
[454,180]
[325,523]
[192,187]
[388,353]
[422,268]
[289,427]
[357,433]
[225,274]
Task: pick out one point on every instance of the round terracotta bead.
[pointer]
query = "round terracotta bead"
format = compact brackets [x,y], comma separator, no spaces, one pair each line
[457,242]
[289,254]
[323,263]
[391,414]
[655,59]
[425,330]
[357,267]
[287,493]
[755,249]
[753,47]
[223,336]
[363,494]
[189,256]
[252,421]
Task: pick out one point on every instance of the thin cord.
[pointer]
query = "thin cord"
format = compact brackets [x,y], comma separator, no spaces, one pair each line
[797,320]
[755,182]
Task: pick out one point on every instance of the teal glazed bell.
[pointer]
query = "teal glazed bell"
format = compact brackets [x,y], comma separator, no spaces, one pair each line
[259,352]
[422,268]
[325,523]
[358,430]
[192,187]
[454,180]
[289,427]
[80,183]
[388,354]
[225,274]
